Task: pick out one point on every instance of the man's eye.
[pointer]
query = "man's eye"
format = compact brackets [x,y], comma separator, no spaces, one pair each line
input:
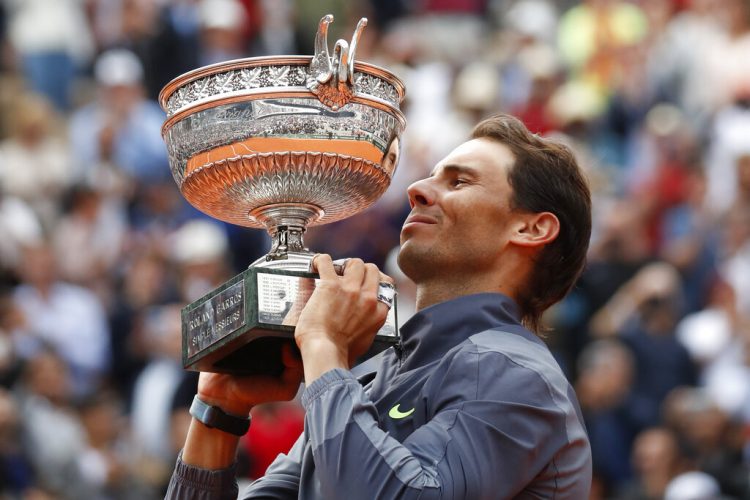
[458,182]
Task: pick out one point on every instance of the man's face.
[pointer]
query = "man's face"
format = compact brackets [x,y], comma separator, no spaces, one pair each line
[461,219]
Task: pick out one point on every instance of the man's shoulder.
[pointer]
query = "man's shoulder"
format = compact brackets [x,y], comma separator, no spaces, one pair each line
[520,346]
[501,361]
[517,368]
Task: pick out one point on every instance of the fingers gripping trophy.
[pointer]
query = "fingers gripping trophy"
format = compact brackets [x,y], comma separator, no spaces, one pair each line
[280,143]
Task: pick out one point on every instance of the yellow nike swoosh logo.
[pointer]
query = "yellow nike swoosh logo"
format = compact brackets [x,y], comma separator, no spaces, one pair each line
[396,413]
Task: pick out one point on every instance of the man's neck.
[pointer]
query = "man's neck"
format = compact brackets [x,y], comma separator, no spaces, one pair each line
[508,275]
[430,293]
[427,296]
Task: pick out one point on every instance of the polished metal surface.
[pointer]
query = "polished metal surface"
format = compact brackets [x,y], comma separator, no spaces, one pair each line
[320,132]
[279,143]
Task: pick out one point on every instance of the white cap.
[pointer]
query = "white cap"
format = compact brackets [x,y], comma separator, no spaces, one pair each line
[199,241]
[692,486]
[118,67]
[536,18]
[705,334]
[221,14]
[477,86]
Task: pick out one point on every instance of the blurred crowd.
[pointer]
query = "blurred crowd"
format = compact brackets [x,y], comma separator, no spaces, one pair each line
[99,251]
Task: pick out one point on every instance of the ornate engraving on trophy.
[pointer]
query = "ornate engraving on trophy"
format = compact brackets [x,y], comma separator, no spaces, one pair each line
[231,82]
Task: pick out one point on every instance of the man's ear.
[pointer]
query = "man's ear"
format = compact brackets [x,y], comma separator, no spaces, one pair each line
[536,229]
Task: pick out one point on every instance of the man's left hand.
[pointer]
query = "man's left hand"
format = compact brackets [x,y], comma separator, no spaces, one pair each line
[340,320]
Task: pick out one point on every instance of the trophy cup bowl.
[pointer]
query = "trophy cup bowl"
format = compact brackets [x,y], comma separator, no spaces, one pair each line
[280,143]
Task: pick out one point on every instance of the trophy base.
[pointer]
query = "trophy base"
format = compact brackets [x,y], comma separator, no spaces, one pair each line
[240,327]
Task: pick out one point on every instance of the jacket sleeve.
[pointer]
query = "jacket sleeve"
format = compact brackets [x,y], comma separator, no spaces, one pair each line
[282,476]
[189,482]
[281,480]
[478,444]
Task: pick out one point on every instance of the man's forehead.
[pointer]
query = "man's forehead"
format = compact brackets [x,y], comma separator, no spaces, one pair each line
[477,156]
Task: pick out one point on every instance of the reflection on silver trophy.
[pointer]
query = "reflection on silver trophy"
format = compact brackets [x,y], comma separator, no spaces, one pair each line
[280,143]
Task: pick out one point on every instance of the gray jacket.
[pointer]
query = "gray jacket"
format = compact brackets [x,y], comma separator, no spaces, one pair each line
[471,405]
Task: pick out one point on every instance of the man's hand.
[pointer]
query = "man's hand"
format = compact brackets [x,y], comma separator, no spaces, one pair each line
[215,449]
[340,320]
[238,394]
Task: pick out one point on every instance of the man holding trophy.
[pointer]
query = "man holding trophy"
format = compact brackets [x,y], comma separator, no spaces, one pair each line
[468,403]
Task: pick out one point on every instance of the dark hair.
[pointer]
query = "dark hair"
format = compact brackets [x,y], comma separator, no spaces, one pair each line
[545,177]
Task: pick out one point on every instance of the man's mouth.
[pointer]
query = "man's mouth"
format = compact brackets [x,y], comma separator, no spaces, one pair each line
[415,219]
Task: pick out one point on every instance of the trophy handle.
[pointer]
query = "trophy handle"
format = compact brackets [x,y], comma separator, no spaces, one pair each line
[341,68]
[332,79]
[320,66]
[353,47]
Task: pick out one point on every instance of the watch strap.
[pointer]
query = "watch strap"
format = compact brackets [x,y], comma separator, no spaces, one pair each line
[216,418]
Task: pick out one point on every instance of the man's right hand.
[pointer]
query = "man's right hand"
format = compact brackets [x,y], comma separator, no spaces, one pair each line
[214,449]
[238,394]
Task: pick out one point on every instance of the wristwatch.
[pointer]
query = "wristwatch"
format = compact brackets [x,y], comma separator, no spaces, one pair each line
[216,418]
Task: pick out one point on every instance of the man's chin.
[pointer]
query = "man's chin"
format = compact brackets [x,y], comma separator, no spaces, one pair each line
[412,259]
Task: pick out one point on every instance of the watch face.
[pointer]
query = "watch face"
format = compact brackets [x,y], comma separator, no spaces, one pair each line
[211,416]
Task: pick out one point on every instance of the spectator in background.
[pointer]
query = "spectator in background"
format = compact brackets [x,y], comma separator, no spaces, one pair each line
[148,279]
[153,393]
[593,35]
[605,390]
[150,30]
[690,240]
[729,66]
[617,253]
[54,434]
[121,128]
[88,239]
[53,42]
[20,228]
[708,333]
[542,65]
[684,54]
[107,456]
[275,23]
[729,133]
[736,238]
[727,377]
[735,248]
[35,163]
[708,436]
[656,460]
[692,485]
[11,319]
[742,203]
[644,313]
[222,34]
[67,317]
[199,249]
[16,474]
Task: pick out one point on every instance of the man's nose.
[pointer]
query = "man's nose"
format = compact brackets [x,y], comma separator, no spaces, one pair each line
[421,193]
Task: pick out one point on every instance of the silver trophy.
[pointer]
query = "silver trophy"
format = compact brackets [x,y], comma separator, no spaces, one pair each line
[280,143]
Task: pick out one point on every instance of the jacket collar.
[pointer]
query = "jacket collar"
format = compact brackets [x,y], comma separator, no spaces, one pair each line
[431,332]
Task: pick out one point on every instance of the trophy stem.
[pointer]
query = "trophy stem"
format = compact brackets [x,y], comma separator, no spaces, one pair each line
[286,239]
[286,224]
